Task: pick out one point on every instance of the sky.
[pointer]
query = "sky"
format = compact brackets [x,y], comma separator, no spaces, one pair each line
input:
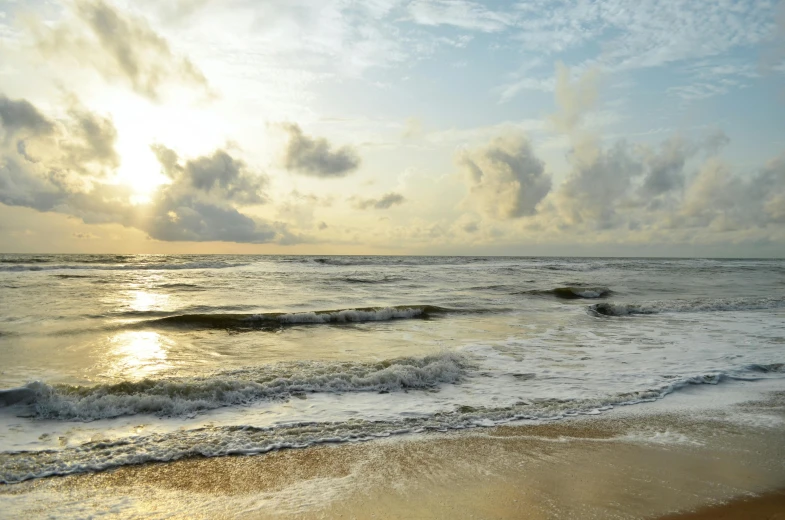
[533,127]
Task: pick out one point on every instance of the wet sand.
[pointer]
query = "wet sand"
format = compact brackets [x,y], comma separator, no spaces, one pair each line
[633,467]
[770,506]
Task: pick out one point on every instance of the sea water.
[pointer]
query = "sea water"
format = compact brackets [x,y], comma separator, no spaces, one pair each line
[109,360]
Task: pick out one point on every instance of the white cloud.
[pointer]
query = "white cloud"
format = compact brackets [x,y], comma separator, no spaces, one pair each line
[458,13]
[120,46]
[629,35]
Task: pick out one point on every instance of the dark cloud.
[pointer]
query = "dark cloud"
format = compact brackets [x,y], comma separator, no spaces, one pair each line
[18,115]
[506,180]
[197,205]
[183,217]
[218,174]
[386,201]
[120,47]
[315,156]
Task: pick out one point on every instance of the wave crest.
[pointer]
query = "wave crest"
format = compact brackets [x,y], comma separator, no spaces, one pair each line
[182,396]
[277,319]
[211,441]
[696,305]
[573,292]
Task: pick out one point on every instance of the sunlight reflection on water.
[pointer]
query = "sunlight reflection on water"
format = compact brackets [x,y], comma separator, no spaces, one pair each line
[140,353]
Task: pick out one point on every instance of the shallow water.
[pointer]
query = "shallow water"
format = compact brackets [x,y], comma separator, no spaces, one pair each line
[113,360]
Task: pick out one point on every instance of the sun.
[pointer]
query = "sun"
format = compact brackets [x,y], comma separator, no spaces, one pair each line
[139,169]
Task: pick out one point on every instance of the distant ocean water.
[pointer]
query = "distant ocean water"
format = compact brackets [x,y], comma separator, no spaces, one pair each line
[110,360]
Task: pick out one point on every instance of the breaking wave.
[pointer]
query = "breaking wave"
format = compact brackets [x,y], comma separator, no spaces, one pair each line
[186,395]
[696,305]
[573,292]
[213,441]
[278,319]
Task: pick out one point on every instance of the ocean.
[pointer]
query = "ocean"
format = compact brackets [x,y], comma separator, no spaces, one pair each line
[116,360]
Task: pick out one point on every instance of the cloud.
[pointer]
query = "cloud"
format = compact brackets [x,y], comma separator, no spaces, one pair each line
[84,236]
[120,46]
[198,205]
[680,185]
[92,141]
[180,216]
[386,201]
[630,35]
[599,176]
[720,200]
[19,115]
[50,153]
[315,156]
[218,174]
[505,179]
[55,170]
[458,13]
[299,209]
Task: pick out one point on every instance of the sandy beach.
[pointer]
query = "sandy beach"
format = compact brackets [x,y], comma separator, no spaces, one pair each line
[620,466]
[770,506]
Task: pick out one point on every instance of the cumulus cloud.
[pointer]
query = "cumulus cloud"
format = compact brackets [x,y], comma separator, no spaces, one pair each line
[681,188]
[386,201]
[120,46]
[681,184]
[720,200]
[198,205]
[52,167]
[315,156]
[505,179]
[218,174]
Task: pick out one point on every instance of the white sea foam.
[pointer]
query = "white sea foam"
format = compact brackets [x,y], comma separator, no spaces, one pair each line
[213,441]
[181,396]
[352,315]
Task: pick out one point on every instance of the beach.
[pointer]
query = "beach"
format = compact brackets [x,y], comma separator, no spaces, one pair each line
[651,464]
[176,386]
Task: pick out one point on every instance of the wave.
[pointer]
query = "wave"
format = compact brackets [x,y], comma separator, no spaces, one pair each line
[383,279]
[182,286]
[695,305]
[212,441]
[573,292]
[121,267]
[278,319]
[186,395]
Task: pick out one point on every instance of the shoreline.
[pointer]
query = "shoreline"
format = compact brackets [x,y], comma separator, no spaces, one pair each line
[666,465]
